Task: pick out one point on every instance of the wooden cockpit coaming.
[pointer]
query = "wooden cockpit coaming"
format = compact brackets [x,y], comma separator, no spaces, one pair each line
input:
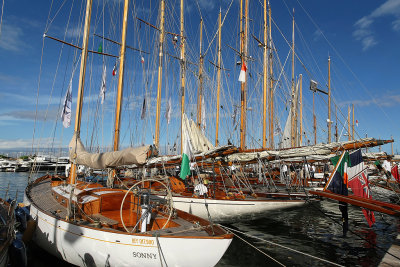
[108,217]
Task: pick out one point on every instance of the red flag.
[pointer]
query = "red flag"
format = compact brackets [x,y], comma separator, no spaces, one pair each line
[142,60]
[395,173]
[356,122]
[242,75]
[114,71]
[360,188]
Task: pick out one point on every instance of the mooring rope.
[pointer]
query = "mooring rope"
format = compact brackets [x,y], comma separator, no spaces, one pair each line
[278,245]
[160,253]
[251,245]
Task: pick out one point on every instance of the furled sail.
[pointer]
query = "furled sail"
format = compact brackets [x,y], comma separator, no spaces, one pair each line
[286,132]
[286,137]
[316,152]
[199,143]
[129,156]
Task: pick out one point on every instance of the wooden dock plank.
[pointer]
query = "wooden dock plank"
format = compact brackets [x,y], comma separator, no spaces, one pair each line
[390,261]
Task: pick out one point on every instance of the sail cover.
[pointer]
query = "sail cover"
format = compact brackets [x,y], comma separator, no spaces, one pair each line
[79,155]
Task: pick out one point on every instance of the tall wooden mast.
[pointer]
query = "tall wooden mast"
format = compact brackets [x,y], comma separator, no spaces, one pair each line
[121,78]
[243,87]
[265,76]
[352,130]
[183,72]
[81,87]
[329,102]
[159,79]
[391,137]
[348,123]
[218,77]
[314,118]
[336,126]
[301,110]
[200,90]
[271,85]
[293,131]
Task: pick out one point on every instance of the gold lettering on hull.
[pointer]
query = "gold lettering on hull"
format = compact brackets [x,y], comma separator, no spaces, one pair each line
[143,241]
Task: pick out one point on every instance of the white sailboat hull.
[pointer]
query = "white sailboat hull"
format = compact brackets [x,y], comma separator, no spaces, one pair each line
[231,210]
[86,246]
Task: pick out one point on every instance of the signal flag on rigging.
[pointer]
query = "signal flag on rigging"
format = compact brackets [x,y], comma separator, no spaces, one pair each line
[242,75]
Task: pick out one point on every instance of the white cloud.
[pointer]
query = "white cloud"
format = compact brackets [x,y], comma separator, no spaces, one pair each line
[41,115]
[9,79]
[367,42]
[11,38]
[382,101]
[396,25]
[45,100]
[363,31]
[390,7]
[74,32]
[27,143]
[24,99]
[207,4]
[317,35]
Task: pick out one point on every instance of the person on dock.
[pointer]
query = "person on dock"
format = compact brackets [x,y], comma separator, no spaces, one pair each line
[307,169]
[312,171]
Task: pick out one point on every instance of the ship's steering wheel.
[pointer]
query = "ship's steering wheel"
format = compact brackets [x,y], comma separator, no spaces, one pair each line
[169,195]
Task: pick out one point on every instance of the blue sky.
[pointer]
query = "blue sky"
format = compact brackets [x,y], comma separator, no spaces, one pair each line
[362,39]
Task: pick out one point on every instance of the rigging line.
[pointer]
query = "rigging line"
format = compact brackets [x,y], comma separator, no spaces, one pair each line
[346,120]
[280,74]
[259,250]
[229,103]
[37,99]
[48,15]
[276,244]
[198,7]
[1,18]
[345,84]
[344,62]
[297,56]
[161,254]
[38,90]
[49,22]
[311,54]
[222,24]
[61,93]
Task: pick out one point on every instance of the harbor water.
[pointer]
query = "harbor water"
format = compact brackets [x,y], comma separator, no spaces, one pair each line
[314,229]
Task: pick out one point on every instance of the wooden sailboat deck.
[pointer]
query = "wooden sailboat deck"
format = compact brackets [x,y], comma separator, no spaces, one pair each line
[41,195]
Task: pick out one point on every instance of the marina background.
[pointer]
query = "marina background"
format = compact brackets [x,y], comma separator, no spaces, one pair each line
[313,229]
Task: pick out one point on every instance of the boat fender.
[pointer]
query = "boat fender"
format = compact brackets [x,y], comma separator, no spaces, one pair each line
[30,229]
[17,253]
[21,218]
